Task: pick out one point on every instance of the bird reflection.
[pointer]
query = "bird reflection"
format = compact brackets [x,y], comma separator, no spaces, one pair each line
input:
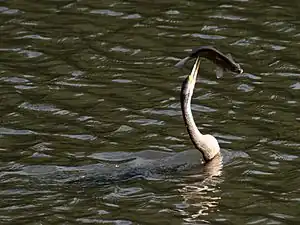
[200,190]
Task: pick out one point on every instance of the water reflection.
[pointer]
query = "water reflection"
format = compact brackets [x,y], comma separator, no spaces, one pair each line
[200,191]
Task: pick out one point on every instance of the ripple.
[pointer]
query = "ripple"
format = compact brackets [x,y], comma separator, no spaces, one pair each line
[8,11]
[132,16]
[172,12]
[84,137]
[124,129]
[245,88]
[14,80]
[89,92]
[106,12]
[33,36]
[39,107]
[210,37]
[147,122]
[8,131]
[295,86]
[31,54]
[229,17]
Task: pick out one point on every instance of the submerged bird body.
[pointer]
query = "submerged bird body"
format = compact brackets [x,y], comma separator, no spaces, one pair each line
[206,144]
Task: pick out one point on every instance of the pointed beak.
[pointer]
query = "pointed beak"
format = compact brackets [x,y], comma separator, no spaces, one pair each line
[196,68]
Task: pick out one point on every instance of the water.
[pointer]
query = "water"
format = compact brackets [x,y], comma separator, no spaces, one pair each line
[88,92]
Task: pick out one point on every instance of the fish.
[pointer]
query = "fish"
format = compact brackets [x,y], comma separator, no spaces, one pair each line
[222,61]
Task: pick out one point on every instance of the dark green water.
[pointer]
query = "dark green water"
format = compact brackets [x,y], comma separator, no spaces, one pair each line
[91,125]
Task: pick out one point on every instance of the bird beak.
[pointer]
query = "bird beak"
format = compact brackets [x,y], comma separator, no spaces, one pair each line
[196,68]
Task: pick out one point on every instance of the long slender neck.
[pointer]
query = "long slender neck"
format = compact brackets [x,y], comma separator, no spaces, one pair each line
[206,144]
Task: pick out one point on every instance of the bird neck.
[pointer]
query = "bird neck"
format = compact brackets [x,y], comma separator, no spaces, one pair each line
[206,144]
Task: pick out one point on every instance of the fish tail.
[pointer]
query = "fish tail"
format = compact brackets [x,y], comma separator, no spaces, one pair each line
[181,63]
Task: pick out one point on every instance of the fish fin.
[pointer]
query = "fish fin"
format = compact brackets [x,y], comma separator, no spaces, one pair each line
[219,72]
[229,56]
[181,63]
[240,68]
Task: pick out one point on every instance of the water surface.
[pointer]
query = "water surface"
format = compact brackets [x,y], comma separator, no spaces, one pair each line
[88,91]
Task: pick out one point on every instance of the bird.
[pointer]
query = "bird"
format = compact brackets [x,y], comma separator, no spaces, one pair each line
[205,143]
